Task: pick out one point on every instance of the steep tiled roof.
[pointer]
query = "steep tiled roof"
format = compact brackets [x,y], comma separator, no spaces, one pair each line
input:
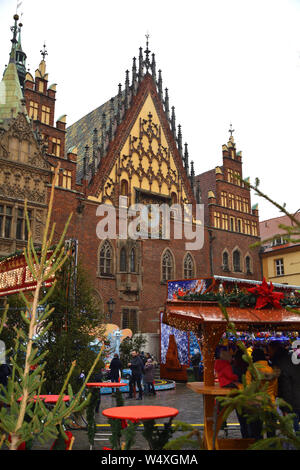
[81,133]
[269,228]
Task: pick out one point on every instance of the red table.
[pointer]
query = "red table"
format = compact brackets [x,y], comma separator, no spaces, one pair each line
[49,398]
[140,413]
[105,384]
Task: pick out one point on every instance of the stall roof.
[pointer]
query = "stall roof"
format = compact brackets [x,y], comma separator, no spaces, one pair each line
[189,315]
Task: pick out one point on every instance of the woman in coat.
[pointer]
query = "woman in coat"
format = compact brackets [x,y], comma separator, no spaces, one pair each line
[149,377]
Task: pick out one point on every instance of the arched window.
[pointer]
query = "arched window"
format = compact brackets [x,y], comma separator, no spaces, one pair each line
[236,261]
[188,267]
[248,264]
[123,259]
[225,261]
[124,188]
[106,259]
[132,261]
[167,266]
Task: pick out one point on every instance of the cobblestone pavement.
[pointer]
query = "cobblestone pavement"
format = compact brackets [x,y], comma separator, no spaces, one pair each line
[189,404]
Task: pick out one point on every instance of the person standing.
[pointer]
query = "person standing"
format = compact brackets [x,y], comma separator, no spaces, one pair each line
[149,377]
[288,380]
[195,360]
[115,368]
[137,368]
[270,377]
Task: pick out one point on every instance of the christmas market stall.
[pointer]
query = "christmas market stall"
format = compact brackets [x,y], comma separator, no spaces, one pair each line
[252,306]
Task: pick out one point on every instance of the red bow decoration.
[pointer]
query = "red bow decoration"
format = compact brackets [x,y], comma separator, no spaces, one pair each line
[266,295]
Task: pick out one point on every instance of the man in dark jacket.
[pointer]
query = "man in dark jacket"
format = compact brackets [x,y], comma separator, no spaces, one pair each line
[115,368]
[137,369]
[289,378]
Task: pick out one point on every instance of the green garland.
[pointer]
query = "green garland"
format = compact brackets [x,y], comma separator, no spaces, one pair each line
[243,300]
[157,438]
[90,415]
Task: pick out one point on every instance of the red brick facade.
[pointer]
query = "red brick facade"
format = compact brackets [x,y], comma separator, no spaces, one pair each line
[232,223]
[141,288]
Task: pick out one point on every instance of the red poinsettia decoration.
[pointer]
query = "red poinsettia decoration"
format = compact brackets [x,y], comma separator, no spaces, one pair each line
[265,295]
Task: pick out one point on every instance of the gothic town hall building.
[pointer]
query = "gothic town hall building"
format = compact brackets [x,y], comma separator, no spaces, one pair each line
[130,146]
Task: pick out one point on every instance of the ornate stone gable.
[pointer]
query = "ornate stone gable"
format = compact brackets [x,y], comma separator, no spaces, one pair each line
[106,183]
[18,183]
[19,143]
[145,162]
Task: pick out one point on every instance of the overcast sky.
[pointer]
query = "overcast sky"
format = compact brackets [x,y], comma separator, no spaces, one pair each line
[222,61]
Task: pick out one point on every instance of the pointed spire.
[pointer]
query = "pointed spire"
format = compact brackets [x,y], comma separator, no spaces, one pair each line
[17,55]
[141,65]
[103,132]
[173,121]
[14,41]
[95,143]
[186,158]
[134,75]
[153,68]
[147,52]
[179,140]
[166,103]
[159,85]
[112,118]
[192,177]
[119,104]
[127,90]
[85,161]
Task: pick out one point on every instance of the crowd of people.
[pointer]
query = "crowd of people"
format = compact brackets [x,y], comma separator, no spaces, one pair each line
[275,360]
[141,379]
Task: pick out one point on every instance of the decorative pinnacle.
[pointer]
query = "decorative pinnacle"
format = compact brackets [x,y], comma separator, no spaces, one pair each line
[14,29]
[231,131]
[44,51]
[173,121]
[147,52]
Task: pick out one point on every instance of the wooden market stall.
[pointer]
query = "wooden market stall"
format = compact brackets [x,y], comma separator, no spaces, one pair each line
[206,320]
